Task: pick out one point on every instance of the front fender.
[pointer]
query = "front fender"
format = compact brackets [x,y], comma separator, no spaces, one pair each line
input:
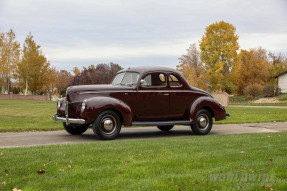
[96,105]
[209,103]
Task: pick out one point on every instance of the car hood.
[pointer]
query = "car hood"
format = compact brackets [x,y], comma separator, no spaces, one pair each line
[74,92]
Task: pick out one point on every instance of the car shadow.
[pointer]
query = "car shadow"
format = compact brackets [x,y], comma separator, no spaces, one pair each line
[154,134]
[134,133]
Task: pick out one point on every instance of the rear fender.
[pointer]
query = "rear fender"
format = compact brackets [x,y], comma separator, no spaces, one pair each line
[209,103]
[96,105]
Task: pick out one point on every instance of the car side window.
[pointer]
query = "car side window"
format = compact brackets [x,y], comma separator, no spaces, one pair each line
[173,81]
[154,79]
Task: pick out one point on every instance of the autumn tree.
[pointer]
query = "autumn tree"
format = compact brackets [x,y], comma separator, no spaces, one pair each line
[219,46]
[250,71]
[278,64]
[192,68]
[99,74]
[33,69]
[76,71]
[50,77]
[63,80]
[9,58]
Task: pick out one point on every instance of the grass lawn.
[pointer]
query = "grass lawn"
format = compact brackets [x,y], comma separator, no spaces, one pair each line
[254,115]
[27,115]
[259,104]
[17,115]
[214,162]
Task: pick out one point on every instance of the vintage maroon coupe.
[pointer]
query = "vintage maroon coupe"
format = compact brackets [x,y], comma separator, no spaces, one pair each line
[138,96]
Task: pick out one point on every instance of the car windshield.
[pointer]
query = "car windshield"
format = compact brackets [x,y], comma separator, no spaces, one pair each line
[126,79]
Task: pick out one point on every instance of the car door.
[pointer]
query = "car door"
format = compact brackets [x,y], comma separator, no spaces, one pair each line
[153,98]
[180,98]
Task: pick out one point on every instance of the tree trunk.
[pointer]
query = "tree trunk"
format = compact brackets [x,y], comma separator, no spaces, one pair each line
[26,89]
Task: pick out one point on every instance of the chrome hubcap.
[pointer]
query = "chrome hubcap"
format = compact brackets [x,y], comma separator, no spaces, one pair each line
[108,124]
[203,121]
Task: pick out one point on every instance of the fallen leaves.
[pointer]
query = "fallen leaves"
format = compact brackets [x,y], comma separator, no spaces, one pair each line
[16,189]
[268,187]
[270,160]
[6,172]
[41,172]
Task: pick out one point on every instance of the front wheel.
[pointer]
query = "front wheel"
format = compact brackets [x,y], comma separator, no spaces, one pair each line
[76,130]
[107,125]
[165,127]
[203,122]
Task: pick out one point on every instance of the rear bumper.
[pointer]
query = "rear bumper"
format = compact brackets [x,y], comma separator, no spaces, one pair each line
[68,120]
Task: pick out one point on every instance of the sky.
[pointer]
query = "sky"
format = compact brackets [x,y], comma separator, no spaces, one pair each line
[79,33]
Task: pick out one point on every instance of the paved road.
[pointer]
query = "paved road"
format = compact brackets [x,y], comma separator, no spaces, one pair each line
[62,137]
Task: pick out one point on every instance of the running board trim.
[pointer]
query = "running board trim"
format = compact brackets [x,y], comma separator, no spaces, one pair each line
[160,123]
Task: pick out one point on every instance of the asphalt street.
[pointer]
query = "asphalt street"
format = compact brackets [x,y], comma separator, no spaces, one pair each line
[24,139]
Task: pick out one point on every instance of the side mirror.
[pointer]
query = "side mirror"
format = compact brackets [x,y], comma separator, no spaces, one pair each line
[142,82]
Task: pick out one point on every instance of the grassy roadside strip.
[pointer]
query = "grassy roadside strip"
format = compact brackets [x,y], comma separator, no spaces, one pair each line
[222,162]
[260,104]
[254,115]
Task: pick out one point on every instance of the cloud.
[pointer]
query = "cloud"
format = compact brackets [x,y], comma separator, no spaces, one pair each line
[272,41]
[120,53]
[71,31]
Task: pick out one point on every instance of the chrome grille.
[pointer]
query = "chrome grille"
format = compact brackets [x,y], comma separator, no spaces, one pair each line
[67,108]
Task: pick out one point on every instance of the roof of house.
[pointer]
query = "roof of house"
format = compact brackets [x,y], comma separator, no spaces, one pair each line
[280,74]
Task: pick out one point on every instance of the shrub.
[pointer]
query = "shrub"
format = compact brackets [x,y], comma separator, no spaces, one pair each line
[270,91]
[253,90]
[238,99]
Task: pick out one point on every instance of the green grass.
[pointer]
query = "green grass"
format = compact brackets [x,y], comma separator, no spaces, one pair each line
[214,162]
[17,116]
[258,104]
[254,115]
[282,97]
[28,115]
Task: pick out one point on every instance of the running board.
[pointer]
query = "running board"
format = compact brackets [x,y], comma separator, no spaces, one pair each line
[160,123]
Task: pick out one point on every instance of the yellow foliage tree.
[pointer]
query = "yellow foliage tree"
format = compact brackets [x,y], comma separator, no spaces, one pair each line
[251,67]
[218,50]
[9,58]
[215,76]
[34,70]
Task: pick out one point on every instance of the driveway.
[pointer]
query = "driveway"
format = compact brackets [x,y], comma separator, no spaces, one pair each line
[62,137]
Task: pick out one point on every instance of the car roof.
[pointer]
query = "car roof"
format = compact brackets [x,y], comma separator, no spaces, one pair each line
[145,69]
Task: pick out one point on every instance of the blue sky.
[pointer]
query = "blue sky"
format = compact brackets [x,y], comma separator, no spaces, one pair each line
[138,32]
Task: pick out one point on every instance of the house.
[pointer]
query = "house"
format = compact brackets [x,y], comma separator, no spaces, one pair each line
[282,81]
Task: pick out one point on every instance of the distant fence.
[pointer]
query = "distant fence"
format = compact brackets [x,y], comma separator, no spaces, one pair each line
[222,97]
[23,97]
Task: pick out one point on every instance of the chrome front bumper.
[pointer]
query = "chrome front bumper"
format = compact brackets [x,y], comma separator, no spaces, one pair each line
[68,120]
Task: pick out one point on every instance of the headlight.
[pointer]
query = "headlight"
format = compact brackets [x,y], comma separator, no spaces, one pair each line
[59,104]
[83,107]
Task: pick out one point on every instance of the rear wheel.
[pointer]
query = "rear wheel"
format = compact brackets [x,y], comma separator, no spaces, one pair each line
[203,122]
[165,127]
[76,129]
[107,125]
